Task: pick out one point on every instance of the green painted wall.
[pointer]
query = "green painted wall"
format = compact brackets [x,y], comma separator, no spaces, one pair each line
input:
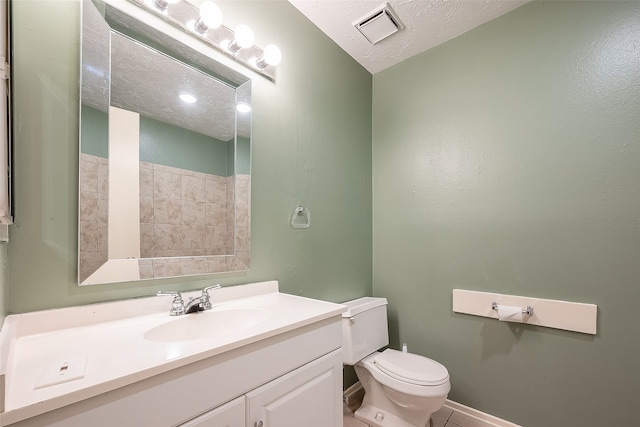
[311,145]
[242,162]
[506,160]
[94,133]
[165,144]
[169,145]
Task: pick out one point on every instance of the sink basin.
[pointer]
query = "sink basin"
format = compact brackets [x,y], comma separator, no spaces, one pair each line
[207,324]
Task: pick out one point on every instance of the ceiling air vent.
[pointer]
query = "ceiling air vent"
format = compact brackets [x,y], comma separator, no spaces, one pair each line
[379,24]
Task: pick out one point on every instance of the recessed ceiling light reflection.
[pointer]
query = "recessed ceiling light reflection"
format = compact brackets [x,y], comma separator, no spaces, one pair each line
[243,107]
[188,98]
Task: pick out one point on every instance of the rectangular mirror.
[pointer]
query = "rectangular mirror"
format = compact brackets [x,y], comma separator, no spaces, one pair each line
[165,155]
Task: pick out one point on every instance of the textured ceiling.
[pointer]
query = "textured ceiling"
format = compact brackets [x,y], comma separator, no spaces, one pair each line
[148,82]
[428,23]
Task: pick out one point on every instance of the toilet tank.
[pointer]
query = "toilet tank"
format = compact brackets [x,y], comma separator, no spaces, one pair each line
[364,328]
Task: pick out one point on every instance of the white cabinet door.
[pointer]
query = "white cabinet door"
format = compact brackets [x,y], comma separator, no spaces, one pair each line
[228,415]
[310,396]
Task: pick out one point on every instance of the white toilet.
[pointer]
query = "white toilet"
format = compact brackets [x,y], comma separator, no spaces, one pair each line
[401,389]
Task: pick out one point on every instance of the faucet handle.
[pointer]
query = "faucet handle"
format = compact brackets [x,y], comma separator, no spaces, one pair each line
[206,304]
[206,290]
[177,307]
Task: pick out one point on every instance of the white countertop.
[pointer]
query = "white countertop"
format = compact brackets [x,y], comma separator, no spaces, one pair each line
[111,338]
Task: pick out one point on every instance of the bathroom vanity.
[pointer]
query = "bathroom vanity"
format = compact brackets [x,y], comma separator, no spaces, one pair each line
[258,358]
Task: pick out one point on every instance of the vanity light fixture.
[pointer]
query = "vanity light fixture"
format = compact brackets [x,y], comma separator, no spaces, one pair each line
[210,17]
[205,22]
[271,56]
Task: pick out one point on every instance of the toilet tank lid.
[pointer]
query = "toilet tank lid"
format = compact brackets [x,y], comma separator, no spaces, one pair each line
[359,305]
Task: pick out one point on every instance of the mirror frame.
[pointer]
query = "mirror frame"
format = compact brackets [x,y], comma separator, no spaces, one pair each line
[174,40]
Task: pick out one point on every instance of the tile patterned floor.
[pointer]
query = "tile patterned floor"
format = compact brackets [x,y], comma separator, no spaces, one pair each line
[443,418]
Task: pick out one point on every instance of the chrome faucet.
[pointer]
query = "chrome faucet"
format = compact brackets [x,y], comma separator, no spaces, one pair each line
[201,303]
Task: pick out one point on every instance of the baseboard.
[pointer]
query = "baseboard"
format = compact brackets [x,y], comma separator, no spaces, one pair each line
[353,398]
[355,388]
[478,415]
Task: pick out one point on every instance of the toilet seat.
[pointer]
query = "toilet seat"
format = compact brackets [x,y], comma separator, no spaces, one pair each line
[411,368]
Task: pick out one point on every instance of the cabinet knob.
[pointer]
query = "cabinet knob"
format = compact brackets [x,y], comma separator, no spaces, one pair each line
[259,424]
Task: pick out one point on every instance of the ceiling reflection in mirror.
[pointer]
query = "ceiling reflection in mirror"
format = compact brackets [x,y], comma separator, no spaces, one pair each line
[165,156]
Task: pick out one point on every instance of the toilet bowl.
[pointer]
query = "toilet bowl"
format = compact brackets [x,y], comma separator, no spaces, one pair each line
[401,389]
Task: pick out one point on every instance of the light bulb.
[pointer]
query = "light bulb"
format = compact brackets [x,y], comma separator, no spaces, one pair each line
[211,15]
[271,56]
[244,36]
[163,5]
